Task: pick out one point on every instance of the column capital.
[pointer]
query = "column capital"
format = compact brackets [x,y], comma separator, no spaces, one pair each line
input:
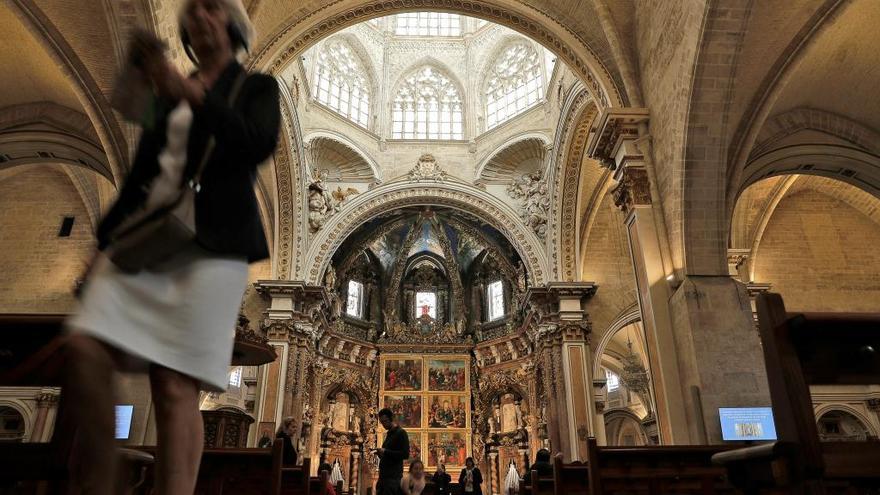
[612,144]
[873,405]
[632,189]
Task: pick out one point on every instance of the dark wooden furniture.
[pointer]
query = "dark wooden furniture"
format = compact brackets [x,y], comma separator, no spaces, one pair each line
[571,479]
[226,428]
[802,350]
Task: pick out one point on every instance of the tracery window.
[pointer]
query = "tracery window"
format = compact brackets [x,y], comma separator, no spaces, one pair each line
[427,106]
[427,24]
[426,304]
[355,303]
[340,82]
[495,296]
[514,84]
[613,381]
[235,377]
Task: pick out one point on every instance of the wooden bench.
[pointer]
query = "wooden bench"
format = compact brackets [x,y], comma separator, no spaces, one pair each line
[802,350]
[537,485]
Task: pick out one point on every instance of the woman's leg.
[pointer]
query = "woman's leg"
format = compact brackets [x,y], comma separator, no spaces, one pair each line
[180,431]
[87,390]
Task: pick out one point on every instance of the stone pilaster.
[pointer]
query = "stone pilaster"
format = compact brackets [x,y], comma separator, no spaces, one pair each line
[618,144]
[47,407]
[720,358]
[562,343]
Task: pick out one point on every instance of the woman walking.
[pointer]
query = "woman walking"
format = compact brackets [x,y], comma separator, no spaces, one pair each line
[176,317]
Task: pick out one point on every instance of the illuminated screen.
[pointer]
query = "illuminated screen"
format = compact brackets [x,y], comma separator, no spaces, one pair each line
[747,423]
[123,421]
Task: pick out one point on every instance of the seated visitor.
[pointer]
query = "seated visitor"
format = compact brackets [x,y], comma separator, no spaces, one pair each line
[413,482]
[542,465]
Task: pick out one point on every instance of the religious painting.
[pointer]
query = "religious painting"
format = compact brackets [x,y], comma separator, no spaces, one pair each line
[448,448]
[407,409]
[403,374]
[267,434]
[446,375]
[447,411]
[415,446]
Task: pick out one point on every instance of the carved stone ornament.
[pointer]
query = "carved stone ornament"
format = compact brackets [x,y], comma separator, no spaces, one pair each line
[632,190]
[427,169]
[324,203]
[533,193]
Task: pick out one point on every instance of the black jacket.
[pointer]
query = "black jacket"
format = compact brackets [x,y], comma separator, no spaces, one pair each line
[441,482]
[396,446]
[227,215]
[478,480]
[289,453]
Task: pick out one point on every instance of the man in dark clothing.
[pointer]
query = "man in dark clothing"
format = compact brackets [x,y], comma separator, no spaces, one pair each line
[395,450]
[542,465]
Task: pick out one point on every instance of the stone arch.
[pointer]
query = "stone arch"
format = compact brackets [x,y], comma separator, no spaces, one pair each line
[37,132]
[282,46]
[402,193]
[25,413]
[622,416]
[629,316]
[445,71]
[786,124]
[563,175]
[848,410]
[83,83]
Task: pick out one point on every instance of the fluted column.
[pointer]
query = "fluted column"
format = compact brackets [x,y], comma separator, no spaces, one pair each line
[47,405]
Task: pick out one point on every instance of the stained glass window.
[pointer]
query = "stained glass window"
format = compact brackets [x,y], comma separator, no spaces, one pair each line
[427,24]
[354,306]
[514,84]
[495,293]
[426,304]
[427,106]
[340,82]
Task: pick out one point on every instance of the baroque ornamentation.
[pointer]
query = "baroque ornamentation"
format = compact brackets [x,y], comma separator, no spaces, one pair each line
[427,169]
[632,190]
[531,190]
[323,203]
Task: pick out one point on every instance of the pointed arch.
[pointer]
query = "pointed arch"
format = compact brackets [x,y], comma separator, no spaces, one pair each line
[342,79]
[505,93]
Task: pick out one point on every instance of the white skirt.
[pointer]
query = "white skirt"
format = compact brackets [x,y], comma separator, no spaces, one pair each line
[181,316]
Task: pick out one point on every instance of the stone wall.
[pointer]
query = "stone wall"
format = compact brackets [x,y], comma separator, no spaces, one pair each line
[38,268]
[820,254]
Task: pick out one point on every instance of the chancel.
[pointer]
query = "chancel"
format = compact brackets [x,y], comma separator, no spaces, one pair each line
[621,232]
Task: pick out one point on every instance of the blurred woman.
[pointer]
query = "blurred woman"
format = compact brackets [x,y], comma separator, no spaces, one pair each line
[176,318]
[442,480]
[470,478]
[413,482]
[285,433]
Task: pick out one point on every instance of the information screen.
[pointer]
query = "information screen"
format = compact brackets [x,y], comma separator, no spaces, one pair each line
[123,421]
[747,423]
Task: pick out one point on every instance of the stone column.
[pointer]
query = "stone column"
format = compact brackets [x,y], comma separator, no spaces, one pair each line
[294,324]
[493,482]
[615,146]
[47,405]
[719,352]
[563,347]
[599,409]
[353,487]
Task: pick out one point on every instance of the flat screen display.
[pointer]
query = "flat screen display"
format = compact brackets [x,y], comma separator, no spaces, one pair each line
[123,421]
[747,423]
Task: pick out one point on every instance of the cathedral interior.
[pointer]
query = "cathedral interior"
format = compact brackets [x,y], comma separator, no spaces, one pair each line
[519,225]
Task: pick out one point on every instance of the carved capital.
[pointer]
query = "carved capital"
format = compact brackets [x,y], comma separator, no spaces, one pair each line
[632,188]
[617,127]
[873,405]
[47,399]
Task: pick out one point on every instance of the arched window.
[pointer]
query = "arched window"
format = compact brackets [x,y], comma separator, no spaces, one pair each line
[427,24]
[495,295]
[513,84]
[340,82]
[427,106]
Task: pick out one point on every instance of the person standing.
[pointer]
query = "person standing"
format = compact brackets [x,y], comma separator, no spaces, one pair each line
[394,450]
[175,318]
[442,480]
[470,479]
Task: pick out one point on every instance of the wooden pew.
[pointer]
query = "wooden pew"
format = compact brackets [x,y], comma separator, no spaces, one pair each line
[571,479]
[295,479]
[537,485]
[802,350]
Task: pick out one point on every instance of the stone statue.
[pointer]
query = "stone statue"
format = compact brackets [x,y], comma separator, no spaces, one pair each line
[532,190]
[323,203]
[521,278]
[330,279]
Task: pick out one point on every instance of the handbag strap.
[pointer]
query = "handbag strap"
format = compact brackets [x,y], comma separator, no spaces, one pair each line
[193,182]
